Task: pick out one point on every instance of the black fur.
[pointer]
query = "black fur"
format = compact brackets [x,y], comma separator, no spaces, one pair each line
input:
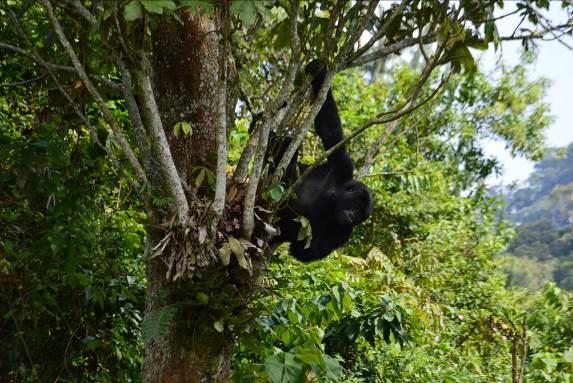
[329,197]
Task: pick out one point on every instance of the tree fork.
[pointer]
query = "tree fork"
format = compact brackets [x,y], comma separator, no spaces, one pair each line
[185,74]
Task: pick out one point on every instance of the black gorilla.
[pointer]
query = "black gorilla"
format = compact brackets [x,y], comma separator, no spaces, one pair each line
[331,200]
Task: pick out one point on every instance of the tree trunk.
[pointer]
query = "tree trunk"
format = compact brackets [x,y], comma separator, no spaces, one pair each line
[185,73]
[193,351]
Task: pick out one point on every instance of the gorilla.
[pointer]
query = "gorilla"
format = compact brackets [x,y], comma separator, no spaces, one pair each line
[329,198]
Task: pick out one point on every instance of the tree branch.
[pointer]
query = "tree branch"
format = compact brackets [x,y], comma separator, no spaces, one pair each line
[357,33]
[23,82]
[151,118]
[108,116]
[110,84]
[388,50]
[401,171]
[334,14]
[248,223]
[50,69]
[375,149]
[240,175]
[396,114]
[82,11]
[380,33]
[221,179]
[309,119]
[135,115]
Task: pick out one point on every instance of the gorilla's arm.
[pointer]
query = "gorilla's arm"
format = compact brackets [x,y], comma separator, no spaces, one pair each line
[329,129]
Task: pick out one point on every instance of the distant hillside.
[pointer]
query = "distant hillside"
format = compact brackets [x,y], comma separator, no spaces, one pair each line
[543,209]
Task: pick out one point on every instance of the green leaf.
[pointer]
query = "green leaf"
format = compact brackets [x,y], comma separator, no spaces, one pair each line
[265,12]
[183,126]
[489,27]
[460,56]
[311,355]
[567,356]
[200,178]
[133,10]
[281,35]
[91,343]
[246,11]
[545,361]
[197,7]
[305,231]
[158,6]
[202,298]
[284,368]
[239,252]
[276,192]
[157,323]
[225,254]
[186,128]
[236,246]
[219,325]
[333,368]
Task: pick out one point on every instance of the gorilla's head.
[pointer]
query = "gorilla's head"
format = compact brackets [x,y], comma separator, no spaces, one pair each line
[353,203]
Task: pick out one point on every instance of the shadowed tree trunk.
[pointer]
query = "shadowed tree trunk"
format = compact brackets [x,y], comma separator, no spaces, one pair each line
[185,78]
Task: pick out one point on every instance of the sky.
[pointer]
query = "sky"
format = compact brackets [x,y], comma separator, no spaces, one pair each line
[554,62]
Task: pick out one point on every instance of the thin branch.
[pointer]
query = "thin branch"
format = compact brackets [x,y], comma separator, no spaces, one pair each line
[108,83]
[549,27]
[135,115]
[399,172]
[539,35]
[380,33]
[502,16]
[271,118]
[422,50]
[334,14]
[24,82]
[248,223]
[357,33]
[374,149]
[118,25]
[221,179]
[518,25]
[390,145]
[152,120]
[108,116]
[397,114]
[25,8]
[240,175]
[309,119]
[82,11]
[388,50]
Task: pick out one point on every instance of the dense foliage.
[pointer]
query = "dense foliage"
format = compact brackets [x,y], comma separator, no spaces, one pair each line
[71,269]
[417,296]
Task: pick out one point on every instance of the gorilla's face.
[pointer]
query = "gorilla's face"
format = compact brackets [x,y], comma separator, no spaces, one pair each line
[353,203]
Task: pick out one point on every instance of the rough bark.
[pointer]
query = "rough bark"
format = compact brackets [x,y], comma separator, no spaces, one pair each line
[185,79]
